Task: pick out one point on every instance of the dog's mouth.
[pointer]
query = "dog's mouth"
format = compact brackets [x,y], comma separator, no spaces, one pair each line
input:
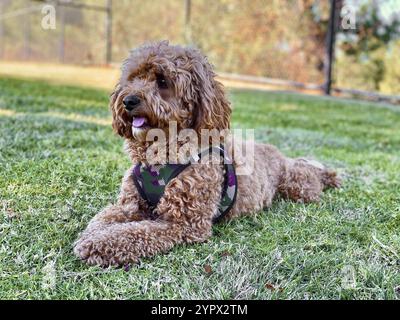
[140,122]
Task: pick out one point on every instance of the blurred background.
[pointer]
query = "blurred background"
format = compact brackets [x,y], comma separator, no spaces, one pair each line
[337,47]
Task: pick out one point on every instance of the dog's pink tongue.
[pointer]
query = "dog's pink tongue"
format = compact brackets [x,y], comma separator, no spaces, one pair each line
[139,122]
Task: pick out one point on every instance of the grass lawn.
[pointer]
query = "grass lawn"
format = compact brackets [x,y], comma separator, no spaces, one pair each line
[60,164]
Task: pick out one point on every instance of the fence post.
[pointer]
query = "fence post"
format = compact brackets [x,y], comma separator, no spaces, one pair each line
[27,36]
[61,44]
[109,32]
[1,31]
[330,48]
[188,9]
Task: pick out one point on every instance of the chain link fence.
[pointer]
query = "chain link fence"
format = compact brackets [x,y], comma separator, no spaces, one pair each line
[284,40]
[259,37]
[78,37]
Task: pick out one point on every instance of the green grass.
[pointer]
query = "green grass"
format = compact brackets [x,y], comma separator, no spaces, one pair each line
[60,164]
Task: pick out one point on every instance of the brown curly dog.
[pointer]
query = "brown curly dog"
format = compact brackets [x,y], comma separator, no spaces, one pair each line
[161,83]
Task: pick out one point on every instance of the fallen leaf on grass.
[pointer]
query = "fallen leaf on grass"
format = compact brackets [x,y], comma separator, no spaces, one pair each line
[11,214]
[225,254]
[208,269]
[272,287]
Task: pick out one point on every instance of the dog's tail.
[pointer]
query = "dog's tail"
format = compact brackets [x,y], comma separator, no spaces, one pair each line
[328,177]
[304,180]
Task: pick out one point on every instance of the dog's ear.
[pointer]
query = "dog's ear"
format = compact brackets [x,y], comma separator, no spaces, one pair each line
[120,121]
[212,110]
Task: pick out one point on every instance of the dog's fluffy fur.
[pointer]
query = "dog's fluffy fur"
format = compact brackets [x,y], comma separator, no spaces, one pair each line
[125,232]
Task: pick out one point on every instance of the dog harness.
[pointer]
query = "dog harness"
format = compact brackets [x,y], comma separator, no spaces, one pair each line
[151,181]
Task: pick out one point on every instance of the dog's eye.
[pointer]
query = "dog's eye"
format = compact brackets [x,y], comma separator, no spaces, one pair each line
[161,81]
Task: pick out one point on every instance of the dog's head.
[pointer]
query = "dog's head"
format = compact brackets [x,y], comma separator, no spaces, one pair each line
[162,83]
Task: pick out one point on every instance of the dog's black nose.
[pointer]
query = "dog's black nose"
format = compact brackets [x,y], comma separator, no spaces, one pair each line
[131,102]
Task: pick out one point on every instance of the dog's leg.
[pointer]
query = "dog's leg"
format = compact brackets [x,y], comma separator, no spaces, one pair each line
[130,207]
[101,227]
[119,243]
[184,216]
[304,180]
[111,215]
[124,243]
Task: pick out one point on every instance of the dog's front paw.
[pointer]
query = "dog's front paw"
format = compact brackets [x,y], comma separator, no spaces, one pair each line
[87,251]
[102,252]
